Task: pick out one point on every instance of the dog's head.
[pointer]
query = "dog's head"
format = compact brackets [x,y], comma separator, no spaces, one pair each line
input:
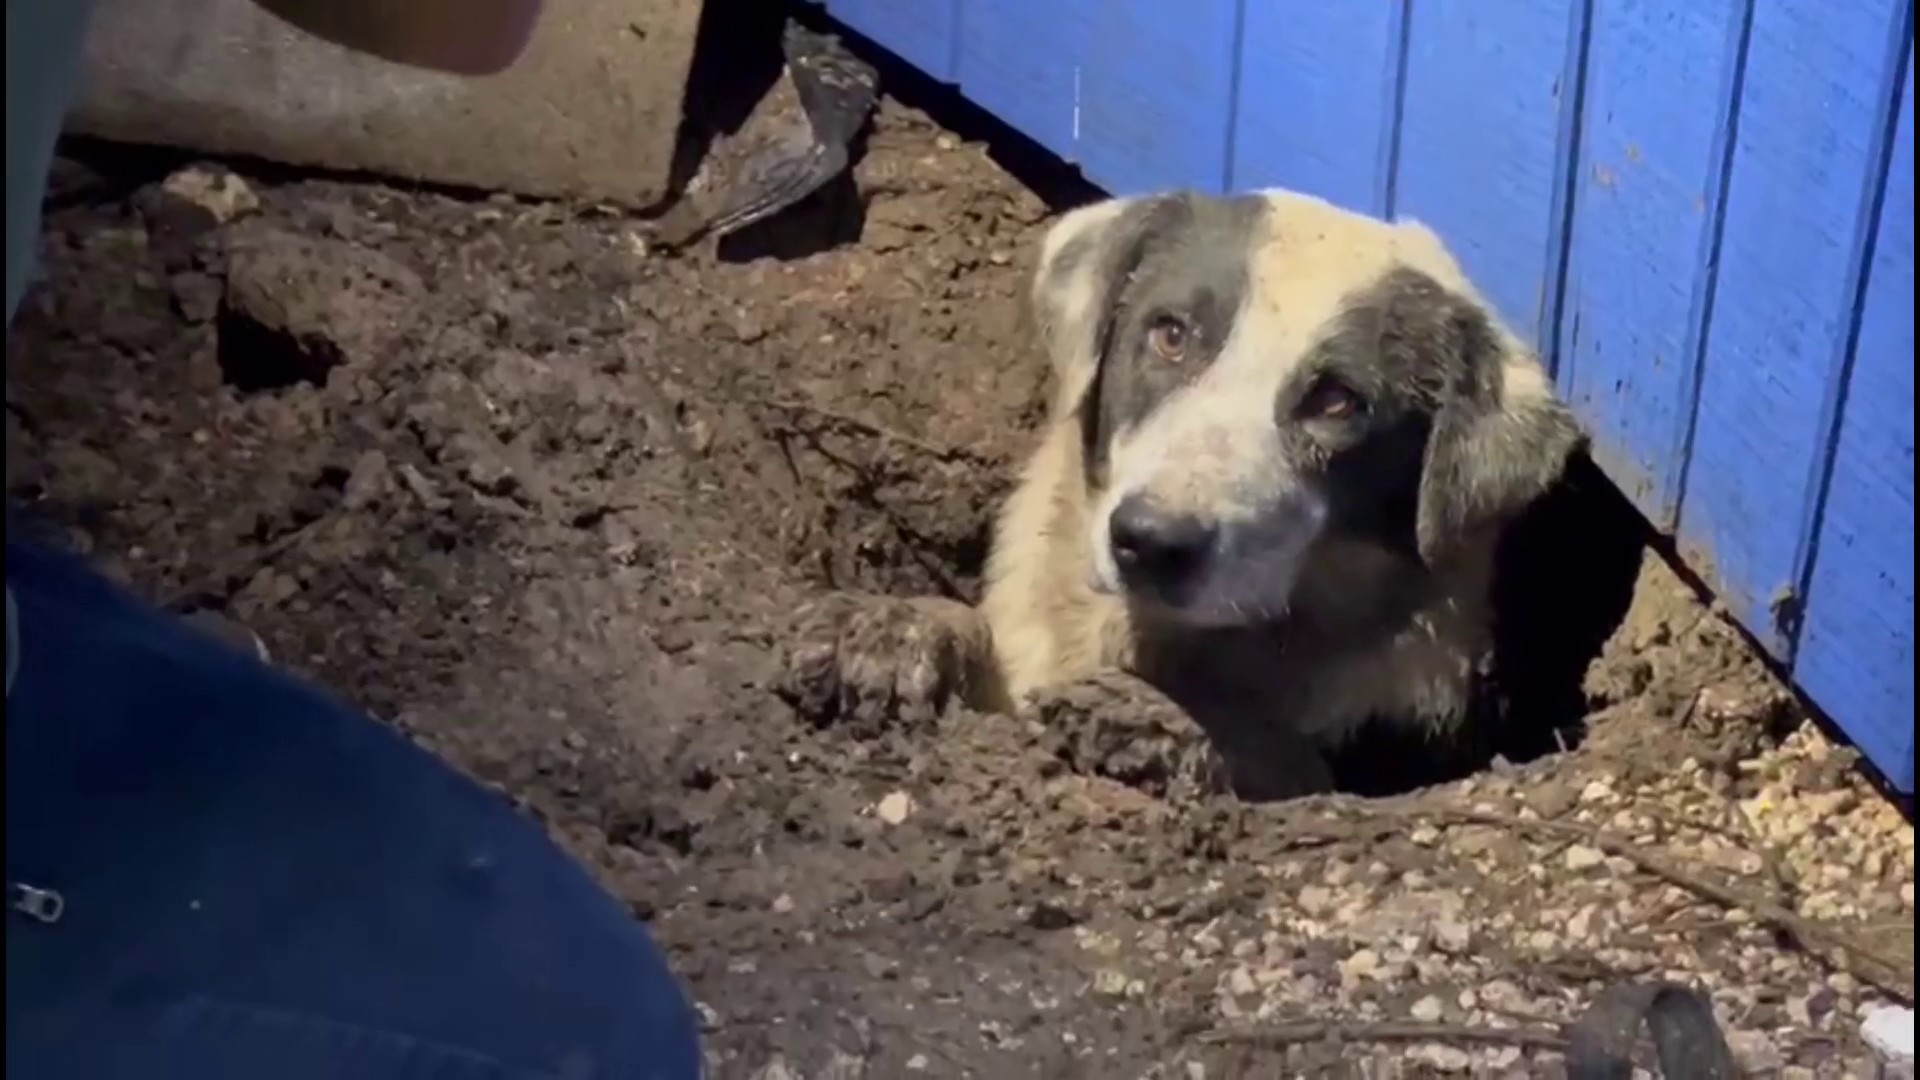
[1261,375]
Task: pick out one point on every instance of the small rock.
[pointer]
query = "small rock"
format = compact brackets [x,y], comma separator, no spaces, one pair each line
[918,1063]
[782,904]
[1452,937]
[1502,994]
[844,1066]
[1581,857]
[1888,1029]
[1427,1010]
[1361,965]
[220,193]
[1424,835]
[1443,1058]
[1240,981]
[1110,983]
[1315,899]
[775,1069]
[895,808]
[1580,927]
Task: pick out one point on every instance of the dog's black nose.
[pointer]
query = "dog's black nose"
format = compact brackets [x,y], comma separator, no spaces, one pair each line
[1156,548]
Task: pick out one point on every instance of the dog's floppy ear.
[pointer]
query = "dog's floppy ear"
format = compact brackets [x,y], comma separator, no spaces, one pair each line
[1499,439]
[1086,256]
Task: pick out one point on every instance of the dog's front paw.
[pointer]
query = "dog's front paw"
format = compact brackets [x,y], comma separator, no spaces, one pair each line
[869,659]
[1116,725]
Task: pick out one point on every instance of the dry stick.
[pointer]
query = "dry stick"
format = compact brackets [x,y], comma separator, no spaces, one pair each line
[215,581]
[946,581]
[1307,1031]
[868,427]
[1885,973]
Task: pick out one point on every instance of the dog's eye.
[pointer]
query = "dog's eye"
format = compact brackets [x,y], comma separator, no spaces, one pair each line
[1168,337]
[1331,399]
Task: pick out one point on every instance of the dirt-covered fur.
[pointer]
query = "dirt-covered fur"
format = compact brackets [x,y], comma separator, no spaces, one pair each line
[1283,442]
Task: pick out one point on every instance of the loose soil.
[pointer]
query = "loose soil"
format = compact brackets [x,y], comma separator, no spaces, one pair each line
[547,500]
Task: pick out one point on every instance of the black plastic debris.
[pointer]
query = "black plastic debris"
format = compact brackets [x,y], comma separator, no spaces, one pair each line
[797,141]
[1687,1040]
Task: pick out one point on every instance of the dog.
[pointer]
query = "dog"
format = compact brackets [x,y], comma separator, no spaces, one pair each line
[1283,443]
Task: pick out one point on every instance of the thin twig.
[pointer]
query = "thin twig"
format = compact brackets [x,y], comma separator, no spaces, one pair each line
[216,582]
[869,428]
[1387,1031]
[1888,974]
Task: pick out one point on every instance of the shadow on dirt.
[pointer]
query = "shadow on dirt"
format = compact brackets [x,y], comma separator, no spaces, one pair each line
[1566,578]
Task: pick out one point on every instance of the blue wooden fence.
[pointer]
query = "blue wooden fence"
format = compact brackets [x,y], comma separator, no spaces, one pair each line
[1702,209]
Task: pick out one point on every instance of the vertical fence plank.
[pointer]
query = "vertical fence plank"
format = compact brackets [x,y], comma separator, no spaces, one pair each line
[924,33]
[1647,197]
[1812,121]
[1856,652]
[1157,94]
[1021,61]
[1488,97]
[1319,88]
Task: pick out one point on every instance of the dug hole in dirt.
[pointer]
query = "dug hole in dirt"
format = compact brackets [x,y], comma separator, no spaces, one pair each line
[546,499]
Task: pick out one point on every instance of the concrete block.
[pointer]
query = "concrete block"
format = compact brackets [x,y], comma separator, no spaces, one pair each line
[590,111]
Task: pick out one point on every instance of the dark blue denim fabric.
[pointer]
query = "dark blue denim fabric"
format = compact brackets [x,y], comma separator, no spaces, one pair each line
[258,882]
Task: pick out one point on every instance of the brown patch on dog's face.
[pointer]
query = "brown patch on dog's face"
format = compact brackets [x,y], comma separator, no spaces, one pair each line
[1264,375]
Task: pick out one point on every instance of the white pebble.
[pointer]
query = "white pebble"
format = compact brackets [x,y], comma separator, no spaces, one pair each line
[895,807]
[1581,857]
[1444,1058]
[1889,1030]
[1360,965]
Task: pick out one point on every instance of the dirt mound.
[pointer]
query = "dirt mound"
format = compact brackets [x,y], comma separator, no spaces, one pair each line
[546,499]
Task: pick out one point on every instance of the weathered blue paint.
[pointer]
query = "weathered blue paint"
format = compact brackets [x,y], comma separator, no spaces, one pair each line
[1813,115]
[1157,94]
[1319,89]
[1701,210]
[1856,650]
[924,33]
[1646,212]
[1488,102]
[1021,61]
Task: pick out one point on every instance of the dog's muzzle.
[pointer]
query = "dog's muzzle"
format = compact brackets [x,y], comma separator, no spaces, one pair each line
[1157,553]
[1212,570]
